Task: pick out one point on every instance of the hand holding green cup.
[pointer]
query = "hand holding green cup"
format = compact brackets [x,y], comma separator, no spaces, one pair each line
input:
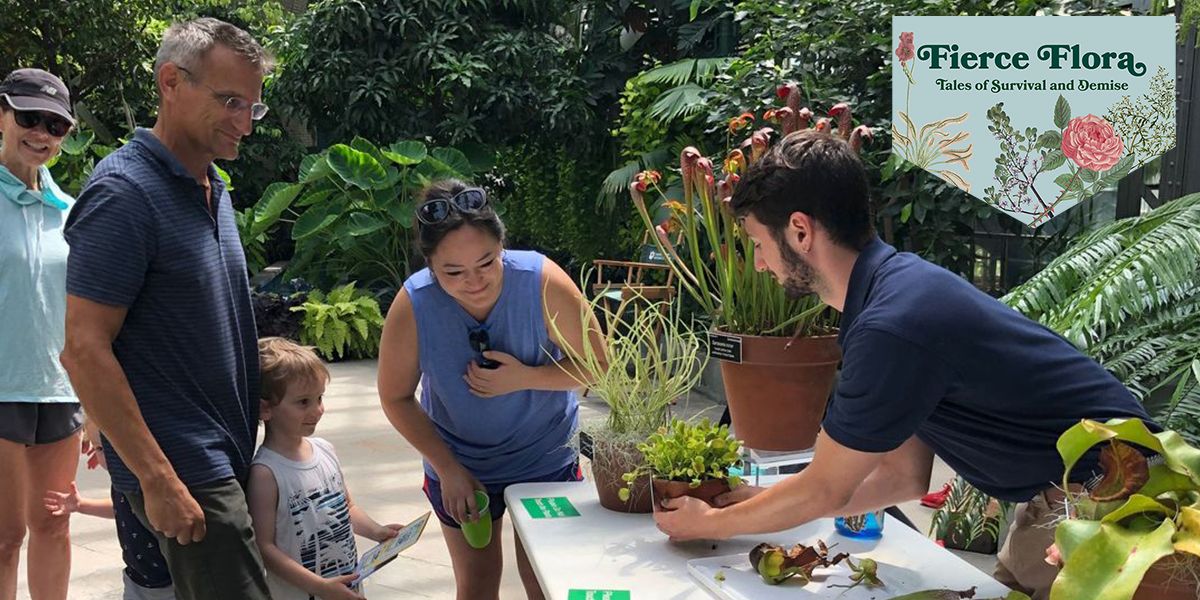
[479,531]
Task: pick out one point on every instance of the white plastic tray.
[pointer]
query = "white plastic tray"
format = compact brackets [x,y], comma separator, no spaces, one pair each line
[741,582]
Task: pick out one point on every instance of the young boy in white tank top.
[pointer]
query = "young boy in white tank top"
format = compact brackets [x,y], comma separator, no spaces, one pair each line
[304,518]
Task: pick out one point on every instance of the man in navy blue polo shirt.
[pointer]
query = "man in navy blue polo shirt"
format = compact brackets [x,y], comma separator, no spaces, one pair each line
[160,338]
[930,365]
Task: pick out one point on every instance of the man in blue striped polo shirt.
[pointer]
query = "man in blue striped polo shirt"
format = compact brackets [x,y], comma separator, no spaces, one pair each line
[161,345]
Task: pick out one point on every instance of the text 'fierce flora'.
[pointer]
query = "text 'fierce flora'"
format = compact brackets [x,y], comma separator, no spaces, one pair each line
[1058,56]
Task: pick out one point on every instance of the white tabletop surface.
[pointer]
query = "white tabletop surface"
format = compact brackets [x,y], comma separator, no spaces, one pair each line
[602,549]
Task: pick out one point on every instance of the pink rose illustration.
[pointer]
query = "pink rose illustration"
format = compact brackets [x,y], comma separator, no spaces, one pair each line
[1091,142]
[905,50]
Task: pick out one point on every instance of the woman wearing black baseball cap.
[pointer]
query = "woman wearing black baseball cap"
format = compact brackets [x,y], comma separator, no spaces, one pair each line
[40,416]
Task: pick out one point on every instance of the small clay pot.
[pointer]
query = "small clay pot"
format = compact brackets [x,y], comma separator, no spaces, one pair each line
[607,472]
[706,491]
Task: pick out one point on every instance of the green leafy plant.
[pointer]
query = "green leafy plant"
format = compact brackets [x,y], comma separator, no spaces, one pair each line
[352,209]
[1135,517]
[968,515]
[74,164]
[691,452]
[346,323]
[548,196]
[1128,294]
[458,72]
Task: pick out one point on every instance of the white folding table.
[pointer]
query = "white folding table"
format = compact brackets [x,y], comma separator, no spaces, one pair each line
[604,550]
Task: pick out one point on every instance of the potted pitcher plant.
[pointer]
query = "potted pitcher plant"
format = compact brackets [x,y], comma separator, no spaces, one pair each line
[778,354]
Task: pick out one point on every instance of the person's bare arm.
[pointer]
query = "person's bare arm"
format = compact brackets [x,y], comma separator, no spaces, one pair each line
[100,383]
[828,487]
[902,476]
[364,525]
[262,496]
[565,305]
[399,374]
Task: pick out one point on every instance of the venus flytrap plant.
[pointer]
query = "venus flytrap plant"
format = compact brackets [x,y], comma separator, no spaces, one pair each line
[691,452]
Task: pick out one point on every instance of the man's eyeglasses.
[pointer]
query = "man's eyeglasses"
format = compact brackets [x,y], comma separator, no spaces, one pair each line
[233,104]
[54,125]
[435,211]
[480,343]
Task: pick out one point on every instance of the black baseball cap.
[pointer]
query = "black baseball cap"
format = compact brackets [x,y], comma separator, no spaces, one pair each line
[35,89]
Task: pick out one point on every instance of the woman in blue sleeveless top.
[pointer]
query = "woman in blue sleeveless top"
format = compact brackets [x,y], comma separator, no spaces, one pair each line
[495,406]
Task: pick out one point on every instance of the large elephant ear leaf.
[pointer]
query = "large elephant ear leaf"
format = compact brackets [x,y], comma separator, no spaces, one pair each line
[356,167]
[1125,472]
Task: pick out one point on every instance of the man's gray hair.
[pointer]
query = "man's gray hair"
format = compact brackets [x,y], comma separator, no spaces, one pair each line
[186,44]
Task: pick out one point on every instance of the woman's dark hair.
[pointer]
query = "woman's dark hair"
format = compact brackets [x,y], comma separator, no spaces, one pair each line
[429,236]
[814,173]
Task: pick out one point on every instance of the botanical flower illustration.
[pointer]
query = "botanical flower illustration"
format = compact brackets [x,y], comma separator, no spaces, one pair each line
[934,146]
[1091,142]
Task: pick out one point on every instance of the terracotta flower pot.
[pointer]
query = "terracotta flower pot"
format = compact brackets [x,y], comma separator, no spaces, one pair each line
[609,463]
[777,395]
[708,489]
[1166,580]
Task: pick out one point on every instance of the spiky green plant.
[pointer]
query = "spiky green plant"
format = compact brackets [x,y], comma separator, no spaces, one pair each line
[964,517]
[1128,294]
[645,362]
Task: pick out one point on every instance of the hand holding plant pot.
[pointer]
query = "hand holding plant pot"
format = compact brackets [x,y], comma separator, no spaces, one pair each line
[689,459]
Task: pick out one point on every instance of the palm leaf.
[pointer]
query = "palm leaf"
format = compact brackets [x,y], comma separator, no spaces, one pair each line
[677,102]
[685,71]
[617,183]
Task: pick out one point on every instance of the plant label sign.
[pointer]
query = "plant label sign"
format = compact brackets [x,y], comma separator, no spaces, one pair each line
[725,347]
[549,508]
[1032,115]
[598,595]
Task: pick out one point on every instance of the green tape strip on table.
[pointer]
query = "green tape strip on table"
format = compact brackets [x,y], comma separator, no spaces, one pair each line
[598,595]
[549,508]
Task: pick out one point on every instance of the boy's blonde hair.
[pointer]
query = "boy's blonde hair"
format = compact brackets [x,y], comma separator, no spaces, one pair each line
[281,361]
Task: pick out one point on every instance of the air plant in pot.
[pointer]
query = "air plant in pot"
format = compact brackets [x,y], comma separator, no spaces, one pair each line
[649,358]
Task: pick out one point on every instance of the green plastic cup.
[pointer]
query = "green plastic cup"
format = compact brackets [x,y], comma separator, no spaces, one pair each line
[479,531]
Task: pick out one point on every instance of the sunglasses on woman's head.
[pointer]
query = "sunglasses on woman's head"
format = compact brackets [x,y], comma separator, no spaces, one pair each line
[54,125]
[435,211]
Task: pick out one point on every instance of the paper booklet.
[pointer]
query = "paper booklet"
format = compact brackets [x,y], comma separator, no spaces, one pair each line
[375,558]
